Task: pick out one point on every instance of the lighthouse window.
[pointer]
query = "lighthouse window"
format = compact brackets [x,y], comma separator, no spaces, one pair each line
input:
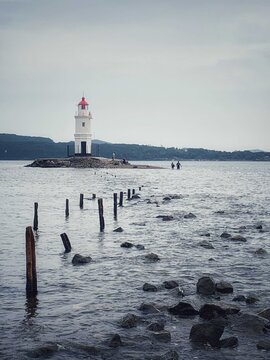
[83,124]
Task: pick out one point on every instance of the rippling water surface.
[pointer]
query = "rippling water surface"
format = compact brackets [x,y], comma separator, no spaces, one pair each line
[79,307]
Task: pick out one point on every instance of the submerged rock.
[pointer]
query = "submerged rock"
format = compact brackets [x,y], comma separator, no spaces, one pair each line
[265,314]
[207,333]
[250,299]
[206,286]
[211,311]
[165,217]
[183,309]
[119,229]
[190,216]
[205,234]
[264,344]
[261,252]
[250,323]
[46,350]
[155,327]
[80,260]
[229,342]
[170,284]
[224,287]
[149,308]
[149,287]
[238,238]
[115,341]
[225,235]
[152,257]
[162,336]
[129,321]
[127,245]
[140,247]
[239,298]
[206,244]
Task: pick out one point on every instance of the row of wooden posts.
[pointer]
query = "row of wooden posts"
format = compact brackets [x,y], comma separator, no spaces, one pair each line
[31,274]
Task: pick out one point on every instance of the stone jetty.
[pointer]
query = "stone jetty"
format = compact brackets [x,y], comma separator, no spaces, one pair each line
[87,162]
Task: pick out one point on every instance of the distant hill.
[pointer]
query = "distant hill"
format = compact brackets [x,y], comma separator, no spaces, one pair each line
[18,147]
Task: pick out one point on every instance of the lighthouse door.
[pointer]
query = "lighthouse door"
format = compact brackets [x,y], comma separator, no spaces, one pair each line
[83,147]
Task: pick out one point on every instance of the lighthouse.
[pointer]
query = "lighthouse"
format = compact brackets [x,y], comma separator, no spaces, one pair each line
[83,129]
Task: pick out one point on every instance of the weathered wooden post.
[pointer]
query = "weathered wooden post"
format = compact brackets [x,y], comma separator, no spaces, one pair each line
[93,196]
[115,205]
[140,188]
[31,273]
[101,217]
[128,194]
[35,224]
[121,198]
[66,242]
[133,191]
[81,201]
[67,208]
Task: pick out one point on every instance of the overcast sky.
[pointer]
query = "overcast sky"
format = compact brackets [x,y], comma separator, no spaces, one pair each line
[183,73]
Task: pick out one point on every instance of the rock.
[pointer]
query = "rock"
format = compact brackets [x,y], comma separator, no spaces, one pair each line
[207,333]
[250,323]
[138,223]
[127,245]
[206,244]
[140,247]
[211,311]
[220,212]
[149,308]
[119,229]
[224,287]
[162,336]
[251,299]
[45,351]
[169,355]
[265,314]
[152,257]
[260,252]
[177,291]
[167,218]
[149,287]
[135,196]
[206,286]
[115,341]
[259,227]
[239,298]
[155,327]
[167,198]
[229,342]
[263,344]
[183,309]
[190,216]
[238,238]
[170,284]
[80,260]
[205,234]
[129,321]
[225,235]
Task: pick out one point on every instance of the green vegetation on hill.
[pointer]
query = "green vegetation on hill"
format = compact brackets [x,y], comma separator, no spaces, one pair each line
[17,147]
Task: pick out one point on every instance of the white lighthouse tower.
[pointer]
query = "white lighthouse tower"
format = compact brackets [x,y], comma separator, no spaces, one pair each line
[83,129]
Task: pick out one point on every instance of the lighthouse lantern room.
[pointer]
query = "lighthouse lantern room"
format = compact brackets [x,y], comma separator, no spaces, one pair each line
[83,129]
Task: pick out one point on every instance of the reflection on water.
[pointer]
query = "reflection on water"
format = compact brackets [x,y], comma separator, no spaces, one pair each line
[79,307]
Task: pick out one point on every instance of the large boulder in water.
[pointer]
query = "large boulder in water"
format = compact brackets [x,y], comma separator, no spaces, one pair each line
[224,287]
[152,257]
[81,260]
[149,287]
[206,286]
[129,321]
[211,311]
[183,309]
[207,333]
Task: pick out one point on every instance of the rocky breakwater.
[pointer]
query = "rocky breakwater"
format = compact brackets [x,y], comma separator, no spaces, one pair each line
[86,162]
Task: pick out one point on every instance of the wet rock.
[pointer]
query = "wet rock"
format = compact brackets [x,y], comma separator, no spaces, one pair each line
[162,336]
[229,342]
[165,217]
[149,308]
[206,286]
[265,314]
[260,252]
[155,327]
[138,223]
[135,196]
[220,212]
[207,333]
[119,229]
[263,345]
[47,350]
[239,298]
[89,349]
[206,244]
[167,198]
[149,287]
[225,235]
[127,245]
[129,321]
[249,323]
[152,257]
[259,227]
[212,311]
[190,216]
[224,287]
[171,284]
[115,341]
[205,234]
[239,238]
[80,260]
[140,247]
[169,355]
[177,292]
[183,309]
[250,299]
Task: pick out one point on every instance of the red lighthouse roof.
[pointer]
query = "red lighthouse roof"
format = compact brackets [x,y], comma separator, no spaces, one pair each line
[83,102]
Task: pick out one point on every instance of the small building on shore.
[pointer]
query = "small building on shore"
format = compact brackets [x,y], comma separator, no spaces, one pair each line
[83,136]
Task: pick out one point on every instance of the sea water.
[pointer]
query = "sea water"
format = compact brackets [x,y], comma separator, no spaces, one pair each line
[81,306]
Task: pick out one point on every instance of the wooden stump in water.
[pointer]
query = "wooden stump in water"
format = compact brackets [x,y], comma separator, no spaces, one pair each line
[31,273]
[115,205]
[67,208]
[128,194]
[35,224]
[66,242]
[121,198]
[94,196]
[101,217]
[133,191]
[81,201]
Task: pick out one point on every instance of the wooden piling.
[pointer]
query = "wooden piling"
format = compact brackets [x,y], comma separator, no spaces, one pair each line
[81,201]
[66,242]
[94,196]
[121,198]
[67,208]
[31,273]
[140,188]
[101,217]
[133,191]
[128,194]
[115,205]
[35,224]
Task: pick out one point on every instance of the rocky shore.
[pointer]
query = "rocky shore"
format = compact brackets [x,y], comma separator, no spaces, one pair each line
[87,162]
